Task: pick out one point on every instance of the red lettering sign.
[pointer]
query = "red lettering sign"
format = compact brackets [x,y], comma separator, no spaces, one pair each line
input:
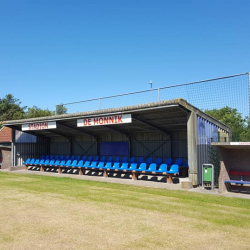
[39,125]
[95,121]
[119,118]
[104,120]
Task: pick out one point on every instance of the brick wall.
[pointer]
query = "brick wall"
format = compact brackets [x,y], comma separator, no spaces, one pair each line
[5,134]
[233,159]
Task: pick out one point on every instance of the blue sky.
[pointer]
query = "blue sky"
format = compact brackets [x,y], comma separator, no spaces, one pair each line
[58,51]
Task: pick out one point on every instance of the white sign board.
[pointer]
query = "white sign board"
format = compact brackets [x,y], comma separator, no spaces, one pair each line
[104,120]
[240,143]
[38,126]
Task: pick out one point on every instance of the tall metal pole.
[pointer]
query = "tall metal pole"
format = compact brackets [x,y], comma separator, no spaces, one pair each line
[151,83]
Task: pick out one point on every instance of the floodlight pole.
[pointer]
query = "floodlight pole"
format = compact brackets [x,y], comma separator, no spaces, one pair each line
[151,83]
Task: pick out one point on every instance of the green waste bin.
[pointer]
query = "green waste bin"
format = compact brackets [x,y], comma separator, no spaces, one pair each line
[208,175]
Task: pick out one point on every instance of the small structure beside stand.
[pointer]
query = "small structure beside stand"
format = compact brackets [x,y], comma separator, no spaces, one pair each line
[234,166]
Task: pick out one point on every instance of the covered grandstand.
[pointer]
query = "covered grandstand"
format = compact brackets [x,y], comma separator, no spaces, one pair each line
[166,129]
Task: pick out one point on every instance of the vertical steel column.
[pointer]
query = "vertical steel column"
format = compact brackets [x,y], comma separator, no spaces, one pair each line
[13,148]
[192,148]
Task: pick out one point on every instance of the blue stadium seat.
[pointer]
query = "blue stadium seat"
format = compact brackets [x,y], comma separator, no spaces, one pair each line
[51,157]
[72,158]
[27,161]
[124,159]
[140,160]
[152,167]
[42,162]
[32,162]
[158,161]
[98,164]
[96,158]
[46,162]
[80,163]
[108,165]
[87,164]
[103,158]
[179,161]
[52,162]
[101,164]
[149,160]
[61,157]
[94,164]
[68,163]
[56,157]
[47,157]
[142,167]
[62,163]
[116,165]
[57,162]
[169,161]
[43,157]
[78,158]
[36,161]
[174,169]
[110,159]
[123,166]
[131,160]
[73,164]
[84,158]
[66,157]
[90,158]
[163,168]
[117,159]
[133,166]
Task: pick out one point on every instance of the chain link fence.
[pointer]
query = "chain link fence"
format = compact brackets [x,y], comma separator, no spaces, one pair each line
[232,91]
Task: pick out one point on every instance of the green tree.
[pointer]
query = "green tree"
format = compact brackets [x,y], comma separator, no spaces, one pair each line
[37,112]
[10,108]
[60,109]
[232,118]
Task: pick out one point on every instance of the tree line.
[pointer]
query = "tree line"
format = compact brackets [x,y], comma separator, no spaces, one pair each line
[239,125]
[11,109]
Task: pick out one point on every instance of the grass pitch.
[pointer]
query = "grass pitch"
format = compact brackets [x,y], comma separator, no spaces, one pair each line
[41,212]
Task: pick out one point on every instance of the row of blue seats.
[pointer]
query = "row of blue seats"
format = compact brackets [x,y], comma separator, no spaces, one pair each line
[115,164]
[74,160]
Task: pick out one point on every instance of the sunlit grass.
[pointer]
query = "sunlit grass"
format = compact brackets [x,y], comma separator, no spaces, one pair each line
[101,206]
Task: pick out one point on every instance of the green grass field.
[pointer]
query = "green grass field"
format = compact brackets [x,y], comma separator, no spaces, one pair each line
[41,212]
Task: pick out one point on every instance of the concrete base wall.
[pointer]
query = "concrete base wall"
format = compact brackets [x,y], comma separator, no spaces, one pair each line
[16,168]
[6,154]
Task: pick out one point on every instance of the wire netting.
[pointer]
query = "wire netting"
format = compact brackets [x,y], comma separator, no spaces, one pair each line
[232,91]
